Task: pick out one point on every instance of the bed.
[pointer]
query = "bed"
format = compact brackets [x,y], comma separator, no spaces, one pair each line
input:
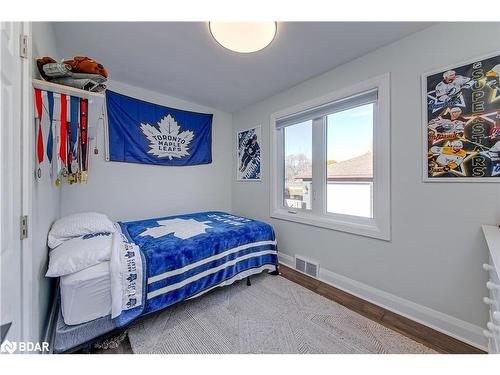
[156,263]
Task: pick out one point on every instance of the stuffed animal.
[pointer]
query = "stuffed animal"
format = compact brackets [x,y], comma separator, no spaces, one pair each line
[80,72]
[83,64]
[41,62]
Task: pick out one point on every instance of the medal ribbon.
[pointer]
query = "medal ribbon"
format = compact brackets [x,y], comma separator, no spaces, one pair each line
[74,103]
[38,103]
[50,140]
[83,134]
[63,136]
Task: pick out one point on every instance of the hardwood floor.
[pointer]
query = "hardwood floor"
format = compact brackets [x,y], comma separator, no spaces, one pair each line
[407,327]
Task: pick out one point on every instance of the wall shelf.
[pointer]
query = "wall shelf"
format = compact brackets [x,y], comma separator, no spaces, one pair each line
[96,100]
[67,90]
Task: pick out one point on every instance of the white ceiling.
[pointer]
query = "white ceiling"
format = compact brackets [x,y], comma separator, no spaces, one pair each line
[181,58]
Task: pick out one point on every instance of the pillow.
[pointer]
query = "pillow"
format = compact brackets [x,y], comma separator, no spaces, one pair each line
[77,225]
[79,253]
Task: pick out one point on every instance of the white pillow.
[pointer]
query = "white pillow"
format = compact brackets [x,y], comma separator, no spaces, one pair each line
[77,225]
[79,253]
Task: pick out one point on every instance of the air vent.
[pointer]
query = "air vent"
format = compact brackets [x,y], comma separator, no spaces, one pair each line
[306,266]
[300,265]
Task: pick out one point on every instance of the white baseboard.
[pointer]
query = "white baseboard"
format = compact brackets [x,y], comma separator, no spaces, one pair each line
[447,324]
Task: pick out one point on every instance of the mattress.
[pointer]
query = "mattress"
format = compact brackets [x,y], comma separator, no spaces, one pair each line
[86,295]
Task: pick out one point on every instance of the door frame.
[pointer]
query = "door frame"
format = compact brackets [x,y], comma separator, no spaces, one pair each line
[27,179]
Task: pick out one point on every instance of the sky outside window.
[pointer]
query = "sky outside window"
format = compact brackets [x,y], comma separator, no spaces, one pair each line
[350,133]
[298,139]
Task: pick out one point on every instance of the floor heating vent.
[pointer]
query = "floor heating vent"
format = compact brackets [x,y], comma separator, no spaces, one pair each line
[306,266]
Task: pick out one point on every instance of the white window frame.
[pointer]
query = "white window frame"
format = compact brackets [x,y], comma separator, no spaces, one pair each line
[377,227]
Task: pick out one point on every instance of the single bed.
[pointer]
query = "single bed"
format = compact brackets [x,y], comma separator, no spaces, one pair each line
[156,263]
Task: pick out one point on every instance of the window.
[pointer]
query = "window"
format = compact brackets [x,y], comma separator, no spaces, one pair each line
[331,161]
[349,163]
[298,165]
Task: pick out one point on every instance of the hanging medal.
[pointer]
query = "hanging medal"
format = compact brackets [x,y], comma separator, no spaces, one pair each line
[99,121]
[39,146]
[83,140]
[62,156]
[69,157]
[50,139]
[68,152]
[73,162]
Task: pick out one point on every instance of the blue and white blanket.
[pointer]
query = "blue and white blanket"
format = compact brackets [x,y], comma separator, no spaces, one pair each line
[159,262]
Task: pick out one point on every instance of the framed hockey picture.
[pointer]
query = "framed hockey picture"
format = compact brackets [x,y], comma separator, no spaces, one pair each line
[248,154]
[461,115]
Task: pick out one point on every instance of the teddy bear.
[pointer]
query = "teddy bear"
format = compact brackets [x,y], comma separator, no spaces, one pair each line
[83,64]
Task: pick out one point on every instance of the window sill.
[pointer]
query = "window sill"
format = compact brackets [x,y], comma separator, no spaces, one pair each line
[343,223]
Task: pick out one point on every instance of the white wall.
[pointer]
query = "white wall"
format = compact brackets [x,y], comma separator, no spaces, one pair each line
[46,200]
[127,191]
[435,256]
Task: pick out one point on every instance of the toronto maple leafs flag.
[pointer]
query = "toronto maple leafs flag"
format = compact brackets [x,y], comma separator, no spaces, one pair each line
[143,132]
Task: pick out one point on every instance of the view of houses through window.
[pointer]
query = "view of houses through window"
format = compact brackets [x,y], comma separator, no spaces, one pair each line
[298,165]
[349,163]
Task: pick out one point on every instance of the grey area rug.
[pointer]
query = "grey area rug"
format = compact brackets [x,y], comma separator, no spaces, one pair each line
[274,315]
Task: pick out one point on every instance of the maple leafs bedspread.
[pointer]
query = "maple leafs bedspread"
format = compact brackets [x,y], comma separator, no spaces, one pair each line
[167,260]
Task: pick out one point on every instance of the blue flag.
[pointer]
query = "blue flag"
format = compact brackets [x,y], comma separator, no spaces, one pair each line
[142,132]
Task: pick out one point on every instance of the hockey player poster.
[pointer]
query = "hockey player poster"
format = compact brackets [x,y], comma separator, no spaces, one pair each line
[248,162]
[462,122]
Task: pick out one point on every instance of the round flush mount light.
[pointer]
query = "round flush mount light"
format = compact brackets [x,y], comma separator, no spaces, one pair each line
[243,37]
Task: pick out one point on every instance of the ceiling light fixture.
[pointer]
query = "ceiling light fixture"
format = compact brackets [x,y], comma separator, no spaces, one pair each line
[243,37]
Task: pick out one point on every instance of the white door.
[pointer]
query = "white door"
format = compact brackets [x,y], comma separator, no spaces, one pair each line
[10,182]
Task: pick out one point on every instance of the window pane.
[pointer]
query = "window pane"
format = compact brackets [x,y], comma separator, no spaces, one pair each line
[350,161]
[298,165]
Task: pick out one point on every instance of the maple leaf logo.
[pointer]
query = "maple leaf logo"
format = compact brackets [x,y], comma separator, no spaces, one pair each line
[167,140]
[181,228]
